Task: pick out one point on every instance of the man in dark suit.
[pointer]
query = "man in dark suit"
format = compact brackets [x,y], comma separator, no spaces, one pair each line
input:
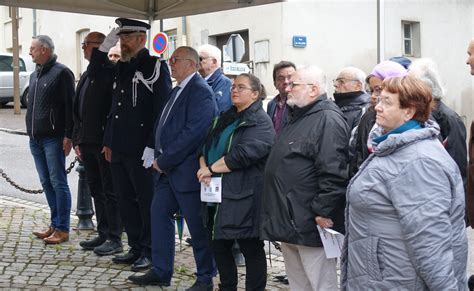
[140,87]
[179,133]
[90,108]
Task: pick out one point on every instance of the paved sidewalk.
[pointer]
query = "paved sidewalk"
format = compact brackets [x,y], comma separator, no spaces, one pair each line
[26,263]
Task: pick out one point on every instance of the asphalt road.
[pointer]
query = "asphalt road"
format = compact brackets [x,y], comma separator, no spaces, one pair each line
[16,160]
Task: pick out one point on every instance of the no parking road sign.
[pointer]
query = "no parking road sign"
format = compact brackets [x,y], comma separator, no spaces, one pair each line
[160,42]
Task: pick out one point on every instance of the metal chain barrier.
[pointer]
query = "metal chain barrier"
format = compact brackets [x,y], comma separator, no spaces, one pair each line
[15,185]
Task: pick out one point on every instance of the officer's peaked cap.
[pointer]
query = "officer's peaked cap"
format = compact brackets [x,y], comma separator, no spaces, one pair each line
[129,25]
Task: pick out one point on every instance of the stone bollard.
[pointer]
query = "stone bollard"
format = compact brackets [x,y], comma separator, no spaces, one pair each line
[84,201]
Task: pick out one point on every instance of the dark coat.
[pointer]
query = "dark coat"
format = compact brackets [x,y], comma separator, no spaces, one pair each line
[130,128]
[306,175]
[220,85]
[183,134]
[51,92]
[353,105]
[366,123]
[89,125]
[453,135]
[470,180]
[238,216]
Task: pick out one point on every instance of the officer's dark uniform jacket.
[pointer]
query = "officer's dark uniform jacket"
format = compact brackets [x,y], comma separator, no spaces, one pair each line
[90,119]
[306,175]
[50,95]
[130,128]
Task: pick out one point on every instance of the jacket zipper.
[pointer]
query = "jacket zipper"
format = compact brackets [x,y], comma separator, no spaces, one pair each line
[222,174]
[34,103]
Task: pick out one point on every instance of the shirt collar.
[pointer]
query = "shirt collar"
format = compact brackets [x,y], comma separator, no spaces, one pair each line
[186,80]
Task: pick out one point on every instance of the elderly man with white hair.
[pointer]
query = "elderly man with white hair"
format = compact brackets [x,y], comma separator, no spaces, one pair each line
[349,94]
[210,70]
[305,182]
[452,128]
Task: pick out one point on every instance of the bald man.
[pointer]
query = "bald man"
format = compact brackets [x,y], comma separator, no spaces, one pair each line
[470,177]
[115,54]
[90,108]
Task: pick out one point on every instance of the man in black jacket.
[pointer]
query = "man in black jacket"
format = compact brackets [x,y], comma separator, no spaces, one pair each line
[49,125]
[141,85]
[90,109]
[305,182]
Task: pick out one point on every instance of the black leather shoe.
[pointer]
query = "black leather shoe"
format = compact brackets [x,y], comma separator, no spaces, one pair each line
[149,278]
[108,248]
[200,286]
[92,243]
[128,258]
[142,263]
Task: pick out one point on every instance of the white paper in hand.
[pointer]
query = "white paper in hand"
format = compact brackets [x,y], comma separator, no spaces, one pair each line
[332,242]
[212,192]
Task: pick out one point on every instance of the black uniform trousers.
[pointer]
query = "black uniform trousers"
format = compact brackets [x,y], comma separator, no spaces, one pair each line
[99,179]
[255,263]
[134,187]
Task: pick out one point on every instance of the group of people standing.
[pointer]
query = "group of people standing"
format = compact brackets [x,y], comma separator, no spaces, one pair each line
[386,167]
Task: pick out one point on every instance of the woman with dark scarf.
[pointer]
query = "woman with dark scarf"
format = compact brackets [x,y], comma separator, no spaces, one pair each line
[236,149]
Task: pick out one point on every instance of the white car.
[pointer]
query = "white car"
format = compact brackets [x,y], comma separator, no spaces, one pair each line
[6,78]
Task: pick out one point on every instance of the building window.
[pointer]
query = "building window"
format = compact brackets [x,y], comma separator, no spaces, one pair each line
[411,39]
[172,43]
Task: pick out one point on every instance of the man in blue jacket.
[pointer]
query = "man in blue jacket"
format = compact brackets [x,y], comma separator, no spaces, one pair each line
[210,70]
[179,133]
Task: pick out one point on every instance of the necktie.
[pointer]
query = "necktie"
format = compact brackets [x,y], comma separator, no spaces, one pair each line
[164,117]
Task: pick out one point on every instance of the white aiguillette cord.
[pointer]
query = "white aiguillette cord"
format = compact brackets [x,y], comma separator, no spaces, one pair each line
[147,82]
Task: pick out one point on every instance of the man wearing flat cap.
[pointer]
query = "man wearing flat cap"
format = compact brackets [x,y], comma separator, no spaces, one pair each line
[140,87]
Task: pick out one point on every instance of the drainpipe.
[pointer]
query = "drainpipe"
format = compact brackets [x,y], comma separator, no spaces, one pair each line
[184,31]
[35,33]
[380,31]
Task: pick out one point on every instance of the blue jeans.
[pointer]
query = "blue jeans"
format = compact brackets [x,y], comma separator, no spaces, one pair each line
[51,167]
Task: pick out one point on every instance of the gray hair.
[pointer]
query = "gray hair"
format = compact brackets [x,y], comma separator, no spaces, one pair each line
[357,74]
[45,41]
[314,75]
[426,70]
[213,52]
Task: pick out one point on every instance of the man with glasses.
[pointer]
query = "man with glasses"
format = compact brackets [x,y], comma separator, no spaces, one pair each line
[210,70]
[305,181]
[277,108]
[140,87]
[349,94]
[90,108]
[49,126]
[179,134]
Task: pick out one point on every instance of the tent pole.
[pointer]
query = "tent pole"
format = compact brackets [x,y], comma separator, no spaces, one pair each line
[16,61]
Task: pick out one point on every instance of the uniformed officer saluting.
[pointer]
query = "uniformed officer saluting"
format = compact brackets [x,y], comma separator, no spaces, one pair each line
[140,88]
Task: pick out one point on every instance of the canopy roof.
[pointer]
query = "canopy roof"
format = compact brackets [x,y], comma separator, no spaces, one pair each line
[139,9]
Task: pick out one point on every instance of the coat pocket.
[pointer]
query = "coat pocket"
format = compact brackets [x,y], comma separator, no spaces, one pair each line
[363,259]
[237,211]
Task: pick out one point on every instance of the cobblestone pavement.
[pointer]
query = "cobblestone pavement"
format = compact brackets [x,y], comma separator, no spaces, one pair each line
[26,263]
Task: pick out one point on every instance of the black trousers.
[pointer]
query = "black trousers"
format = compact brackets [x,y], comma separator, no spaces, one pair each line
[99,179]
[255,263]
[134,186]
